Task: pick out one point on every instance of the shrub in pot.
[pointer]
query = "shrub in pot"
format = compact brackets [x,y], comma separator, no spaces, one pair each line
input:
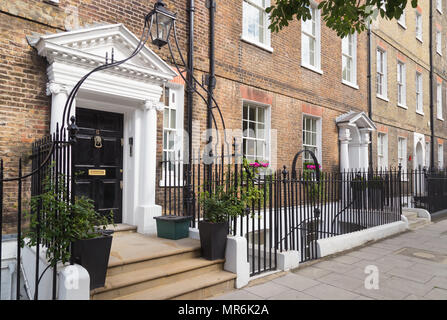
[229,200]
[70,230]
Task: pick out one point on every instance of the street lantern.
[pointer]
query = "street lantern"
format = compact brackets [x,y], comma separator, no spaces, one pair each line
[161,22]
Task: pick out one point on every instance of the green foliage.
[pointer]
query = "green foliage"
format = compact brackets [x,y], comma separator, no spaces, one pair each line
[60,223]
[343,16]
[376,182]
[359,183]
[233,197]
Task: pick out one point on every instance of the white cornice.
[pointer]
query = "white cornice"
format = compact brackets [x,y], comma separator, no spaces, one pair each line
[72,48]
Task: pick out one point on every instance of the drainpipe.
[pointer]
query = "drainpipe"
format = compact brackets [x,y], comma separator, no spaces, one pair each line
[370,160]
[211,78]
[432,124]
[190,102]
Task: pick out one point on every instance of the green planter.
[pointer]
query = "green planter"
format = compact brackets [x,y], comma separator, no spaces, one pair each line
[173,227]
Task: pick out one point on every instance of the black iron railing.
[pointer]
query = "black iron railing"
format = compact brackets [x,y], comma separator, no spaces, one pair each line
[295,210]
[49,160]
[425,188]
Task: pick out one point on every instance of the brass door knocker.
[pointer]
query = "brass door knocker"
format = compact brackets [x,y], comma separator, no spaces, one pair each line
[98,140]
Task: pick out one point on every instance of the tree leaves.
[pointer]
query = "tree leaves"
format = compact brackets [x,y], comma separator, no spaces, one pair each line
[343,16]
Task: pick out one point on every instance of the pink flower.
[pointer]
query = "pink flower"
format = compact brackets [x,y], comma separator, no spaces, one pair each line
[265,165]
[254,164]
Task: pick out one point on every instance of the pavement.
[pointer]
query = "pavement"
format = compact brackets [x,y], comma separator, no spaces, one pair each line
[409,266]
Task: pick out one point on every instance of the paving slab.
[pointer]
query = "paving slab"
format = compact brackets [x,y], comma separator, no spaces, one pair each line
[292,295]
[311,272]
[410,275]
[267,290]
[383,293]
[343,281]
[296,282]
[437,294]
[328,292]
[405,285]
[346,259]
[238,295]
[334,266]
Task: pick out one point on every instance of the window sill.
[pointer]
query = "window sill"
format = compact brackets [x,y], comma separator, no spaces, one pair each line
[439,53]
[382,98]
[419,39]
[312,68]
[440,12]
[350,84]
[439,118]
[420,113]
[402,25]
[258,44]
[402,106]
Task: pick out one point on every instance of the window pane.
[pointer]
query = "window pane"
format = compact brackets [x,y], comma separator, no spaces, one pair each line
[173,119]
[252,128]
[166,118]
[252,112]
[260,131]
[261,115]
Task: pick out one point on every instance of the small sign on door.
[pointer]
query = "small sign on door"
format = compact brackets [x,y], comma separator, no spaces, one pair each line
[96,172]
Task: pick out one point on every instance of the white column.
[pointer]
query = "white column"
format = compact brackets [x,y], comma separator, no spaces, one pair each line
[59,94]
[147,208]
[364,152]
[344,135]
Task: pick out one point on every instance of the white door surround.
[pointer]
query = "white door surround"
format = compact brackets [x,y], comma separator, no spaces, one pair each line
[133,89]
[419,151]
[354,129]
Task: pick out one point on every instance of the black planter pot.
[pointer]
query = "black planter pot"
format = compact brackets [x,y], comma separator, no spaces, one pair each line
[213,239]
[93,254]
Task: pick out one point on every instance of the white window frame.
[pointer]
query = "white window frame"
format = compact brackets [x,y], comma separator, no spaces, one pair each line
[419,23]
[382,150]
[427,154]
[402,153]
[317,39]
[265,43]
[352,57]
[402,20]
[439,6]
[401,84]
[267,126]
[439,114]
[440,156]
[174,102]
[439,42]
[318,145]
[382,72]
[419,93]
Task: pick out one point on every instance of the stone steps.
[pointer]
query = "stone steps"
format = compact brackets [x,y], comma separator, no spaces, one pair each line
[160,269]
[414,222]
[199,287]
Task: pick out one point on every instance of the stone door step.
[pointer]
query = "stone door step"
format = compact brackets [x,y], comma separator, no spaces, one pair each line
[147,267]
[125,283]
[198,287]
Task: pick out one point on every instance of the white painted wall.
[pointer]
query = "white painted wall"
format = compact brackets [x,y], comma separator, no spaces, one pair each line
[8,269]
[73,282]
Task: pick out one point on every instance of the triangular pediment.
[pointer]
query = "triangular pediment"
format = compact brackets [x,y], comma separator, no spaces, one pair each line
[358,119]
[89,46]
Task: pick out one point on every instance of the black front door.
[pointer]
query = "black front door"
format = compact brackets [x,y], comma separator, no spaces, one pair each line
[98,160]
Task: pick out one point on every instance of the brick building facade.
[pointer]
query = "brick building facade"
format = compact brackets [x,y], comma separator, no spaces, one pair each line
[401,91]
[300,80]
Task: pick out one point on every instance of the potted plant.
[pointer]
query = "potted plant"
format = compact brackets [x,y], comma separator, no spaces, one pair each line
[70,231]
[376,192]
[229,200]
